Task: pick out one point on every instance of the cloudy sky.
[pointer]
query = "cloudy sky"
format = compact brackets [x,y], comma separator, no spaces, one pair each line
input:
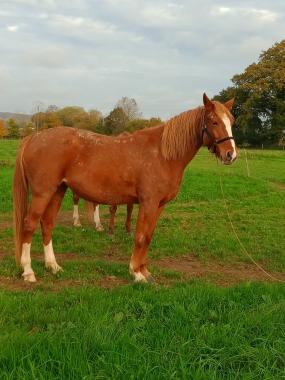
[162,53]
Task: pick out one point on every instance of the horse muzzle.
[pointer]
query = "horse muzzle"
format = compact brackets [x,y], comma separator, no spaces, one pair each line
[229,157]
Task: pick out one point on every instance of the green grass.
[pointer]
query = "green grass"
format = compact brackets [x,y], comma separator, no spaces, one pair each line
[8,151]
[189,330]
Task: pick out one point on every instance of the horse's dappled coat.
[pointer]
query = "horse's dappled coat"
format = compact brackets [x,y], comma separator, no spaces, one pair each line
[145,167]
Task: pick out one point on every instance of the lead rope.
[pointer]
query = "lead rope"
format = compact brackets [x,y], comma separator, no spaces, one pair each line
[238,239]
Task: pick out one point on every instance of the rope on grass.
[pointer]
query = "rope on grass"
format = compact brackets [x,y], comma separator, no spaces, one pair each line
[240,242]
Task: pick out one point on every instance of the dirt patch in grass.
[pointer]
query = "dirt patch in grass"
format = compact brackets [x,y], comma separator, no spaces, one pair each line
[219,273]
[6,223]
[187,267]
[278,185]
[18,284]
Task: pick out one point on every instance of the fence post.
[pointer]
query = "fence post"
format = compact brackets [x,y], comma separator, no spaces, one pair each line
[247,167]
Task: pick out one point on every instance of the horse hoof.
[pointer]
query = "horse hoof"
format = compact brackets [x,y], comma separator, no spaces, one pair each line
[77,224]
[150,279]
[139,277]
[100,228]
[54,267]
[29,277]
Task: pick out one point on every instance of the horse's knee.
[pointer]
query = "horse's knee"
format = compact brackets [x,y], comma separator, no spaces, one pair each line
[142,240]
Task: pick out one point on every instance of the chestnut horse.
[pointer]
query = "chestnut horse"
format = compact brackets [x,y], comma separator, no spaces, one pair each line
[145,167]
[96,215]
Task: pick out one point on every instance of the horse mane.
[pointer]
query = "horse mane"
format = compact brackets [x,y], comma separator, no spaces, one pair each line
[181,132]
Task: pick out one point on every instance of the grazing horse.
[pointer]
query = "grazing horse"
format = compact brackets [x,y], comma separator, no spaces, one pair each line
[96,215]
[145,167]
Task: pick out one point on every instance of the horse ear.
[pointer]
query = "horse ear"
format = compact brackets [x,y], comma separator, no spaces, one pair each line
[207,102]
[229,104]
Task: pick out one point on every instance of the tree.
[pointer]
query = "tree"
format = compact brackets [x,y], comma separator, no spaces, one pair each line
[13,129]
[154,121]
[260,98]
[52,108]
[38,120]
[73,117]
[136,124]
[28,129]
[3,131]
[130,107]
[95,117]
[115,122]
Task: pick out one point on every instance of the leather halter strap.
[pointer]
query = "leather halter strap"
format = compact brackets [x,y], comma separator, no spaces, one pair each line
[215,142]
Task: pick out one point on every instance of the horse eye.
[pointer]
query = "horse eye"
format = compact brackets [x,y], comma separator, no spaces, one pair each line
[215,123]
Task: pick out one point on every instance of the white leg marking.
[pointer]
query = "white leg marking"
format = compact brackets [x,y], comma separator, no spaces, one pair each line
[28,273]
[50,262]
[228,126]
[97,221]
[138,276]
[76,220]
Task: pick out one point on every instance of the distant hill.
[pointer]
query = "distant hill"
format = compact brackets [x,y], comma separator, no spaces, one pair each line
[18,117]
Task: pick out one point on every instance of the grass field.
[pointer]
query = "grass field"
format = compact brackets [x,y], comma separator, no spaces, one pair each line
[211,315]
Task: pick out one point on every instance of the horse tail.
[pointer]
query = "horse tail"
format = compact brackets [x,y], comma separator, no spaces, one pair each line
[20,200]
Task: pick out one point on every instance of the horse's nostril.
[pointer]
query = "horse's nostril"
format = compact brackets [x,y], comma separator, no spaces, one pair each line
[229,156]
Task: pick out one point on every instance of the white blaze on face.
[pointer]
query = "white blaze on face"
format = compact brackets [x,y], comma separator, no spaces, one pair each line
[228,126]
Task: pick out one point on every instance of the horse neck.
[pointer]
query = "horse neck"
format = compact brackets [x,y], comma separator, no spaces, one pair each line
[194,143]
[191,153]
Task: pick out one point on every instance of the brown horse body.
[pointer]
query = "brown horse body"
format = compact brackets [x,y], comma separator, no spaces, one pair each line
[145,167]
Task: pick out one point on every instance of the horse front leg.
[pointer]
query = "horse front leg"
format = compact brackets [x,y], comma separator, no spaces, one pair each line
[147,218]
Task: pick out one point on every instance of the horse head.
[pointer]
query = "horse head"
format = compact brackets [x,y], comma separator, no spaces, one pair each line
[217,129]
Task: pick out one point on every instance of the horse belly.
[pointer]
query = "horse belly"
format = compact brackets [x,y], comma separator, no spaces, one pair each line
[104,189]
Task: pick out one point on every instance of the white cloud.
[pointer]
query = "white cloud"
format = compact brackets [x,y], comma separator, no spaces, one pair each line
[223,10]
[12,28]
[163,53]
[264,15]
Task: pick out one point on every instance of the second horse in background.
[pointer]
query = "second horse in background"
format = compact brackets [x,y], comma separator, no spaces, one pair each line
[96,215]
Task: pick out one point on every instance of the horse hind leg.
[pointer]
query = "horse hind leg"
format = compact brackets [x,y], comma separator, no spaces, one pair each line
[47,224]
[36,209]
[76,219]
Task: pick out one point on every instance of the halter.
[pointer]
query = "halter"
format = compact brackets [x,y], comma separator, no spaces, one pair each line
[215,142]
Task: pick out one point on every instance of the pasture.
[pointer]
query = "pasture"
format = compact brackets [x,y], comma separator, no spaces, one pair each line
[211,315]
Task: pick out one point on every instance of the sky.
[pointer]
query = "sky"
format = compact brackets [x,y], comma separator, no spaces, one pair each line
[164,54]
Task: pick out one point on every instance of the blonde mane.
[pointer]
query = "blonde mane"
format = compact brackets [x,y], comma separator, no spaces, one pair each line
[181,133]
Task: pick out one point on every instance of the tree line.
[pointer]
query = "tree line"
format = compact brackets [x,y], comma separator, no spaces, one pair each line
[259,110]
[124,117]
